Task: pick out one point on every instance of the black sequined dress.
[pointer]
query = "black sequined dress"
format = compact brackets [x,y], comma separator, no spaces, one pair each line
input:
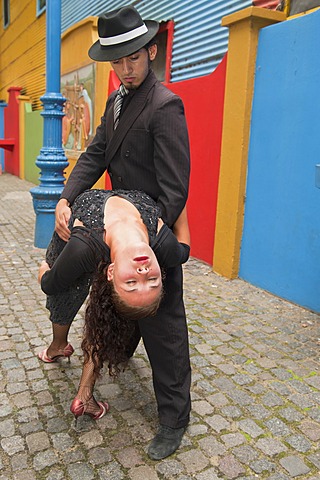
[74,263]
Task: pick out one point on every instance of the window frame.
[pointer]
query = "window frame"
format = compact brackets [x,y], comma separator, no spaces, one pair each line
[40,9]
[169,26]
[6,13]
[162,62]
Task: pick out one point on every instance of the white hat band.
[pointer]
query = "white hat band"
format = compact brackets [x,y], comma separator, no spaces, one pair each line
[123,37]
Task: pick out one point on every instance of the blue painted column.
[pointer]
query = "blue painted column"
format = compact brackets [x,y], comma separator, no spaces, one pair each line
[52,160]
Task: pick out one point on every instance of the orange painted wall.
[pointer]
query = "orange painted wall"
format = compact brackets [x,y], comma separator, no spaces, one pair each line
[244,27]
[74,55]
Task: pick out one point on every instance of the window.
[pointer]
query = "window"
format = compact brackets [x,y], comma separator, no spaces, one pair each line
[302,6]
[162,63]
[6,12]
[41,6]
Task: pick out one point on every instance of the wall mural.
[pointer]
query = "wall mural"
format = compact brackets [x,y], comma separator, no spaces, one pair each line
[77,124]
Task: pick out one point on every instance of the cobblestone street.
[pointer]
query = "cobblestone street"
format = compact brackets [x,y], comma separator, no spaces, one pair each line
[255,382]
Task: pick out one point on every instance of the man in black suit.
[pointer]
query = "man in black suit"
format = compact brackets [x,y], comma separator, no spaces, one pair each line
[145,148]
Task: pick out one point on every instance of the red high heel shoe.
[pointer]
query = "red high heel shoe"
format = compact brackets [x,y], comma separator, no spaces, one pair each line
[78,408]
[67,352]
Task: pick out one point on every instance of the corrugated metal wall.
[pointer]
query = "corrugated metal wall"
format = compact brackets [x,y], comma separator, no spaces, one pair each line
[199,40]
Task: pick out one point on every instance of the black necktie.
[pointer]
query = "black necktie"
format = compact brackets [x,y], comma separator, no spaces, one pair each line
[118,104]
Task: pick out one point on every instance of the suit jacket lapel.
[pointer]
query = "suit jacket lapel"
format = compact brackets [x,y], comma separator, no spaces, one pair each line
[133,110]
[109,120]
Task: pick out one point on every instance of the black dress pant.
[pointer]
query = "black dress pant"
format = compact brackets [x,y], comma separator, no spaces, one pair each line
[165,337]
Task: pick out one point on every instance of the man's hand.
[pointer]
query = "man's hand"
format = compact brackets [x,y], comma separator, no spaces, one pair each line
[44,267]
[63,213]
[181,227]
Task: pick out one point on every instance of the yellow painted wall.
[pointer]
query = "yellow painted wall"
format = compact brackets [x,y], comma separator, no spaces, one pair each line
[23,61]
[244,27]
[22,51]
[75,44]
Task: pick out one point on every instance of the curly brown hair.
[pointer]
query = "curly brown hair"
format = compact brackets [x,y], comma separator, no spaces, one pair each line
[110,324]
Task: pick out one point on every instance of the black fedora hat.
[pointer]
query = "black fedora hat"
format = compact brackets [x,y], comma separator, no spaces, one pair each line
[121,33]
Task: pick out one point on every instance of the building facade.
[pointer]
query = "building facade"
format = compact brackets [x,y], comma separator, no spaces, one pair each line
[255,174]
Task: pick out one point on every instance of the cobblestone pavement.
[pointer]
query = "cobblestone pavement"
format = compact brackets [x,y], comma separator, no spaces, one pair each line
[255,389]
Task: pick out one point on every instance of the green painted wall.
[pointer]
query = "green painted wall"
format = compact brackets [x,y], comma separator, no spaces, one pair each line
[33,143]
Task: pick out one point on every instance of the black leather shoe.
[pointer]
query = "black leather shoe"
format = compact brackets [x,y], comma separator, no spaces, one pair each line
[166,442]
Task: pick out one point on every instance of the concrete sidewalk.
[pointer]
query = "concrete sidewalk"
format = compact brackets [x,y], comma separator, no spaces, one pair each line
[255,391]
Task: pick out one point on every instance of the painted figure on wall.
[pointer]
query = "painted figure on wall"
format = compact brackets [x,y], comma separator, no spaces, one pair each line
[77,124]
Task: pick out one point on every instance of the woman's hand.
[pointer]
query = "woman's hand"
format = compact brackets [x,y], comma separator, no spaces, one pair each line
[63,214]
[44,267]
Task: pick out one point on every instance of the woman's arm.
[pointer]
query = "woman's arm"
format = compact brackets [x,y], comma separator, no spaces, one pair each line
[181,228]
[77,258]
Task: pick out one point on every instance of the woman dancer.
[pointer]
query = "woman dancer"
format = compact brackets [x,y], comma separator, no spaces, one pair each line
[119,235]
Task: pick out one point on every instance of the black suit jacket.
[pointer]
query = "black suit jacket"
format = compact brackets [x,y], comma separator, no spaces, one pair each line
[148,151]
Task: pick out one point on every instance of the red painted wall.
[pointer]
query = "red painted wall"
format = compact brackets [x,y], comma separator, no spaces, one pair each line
[11,132]
[203,98]
[271,4]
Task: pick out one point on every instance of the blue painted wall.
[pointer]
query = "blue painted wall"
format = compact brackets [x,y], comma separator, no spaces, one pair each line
[281,237]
